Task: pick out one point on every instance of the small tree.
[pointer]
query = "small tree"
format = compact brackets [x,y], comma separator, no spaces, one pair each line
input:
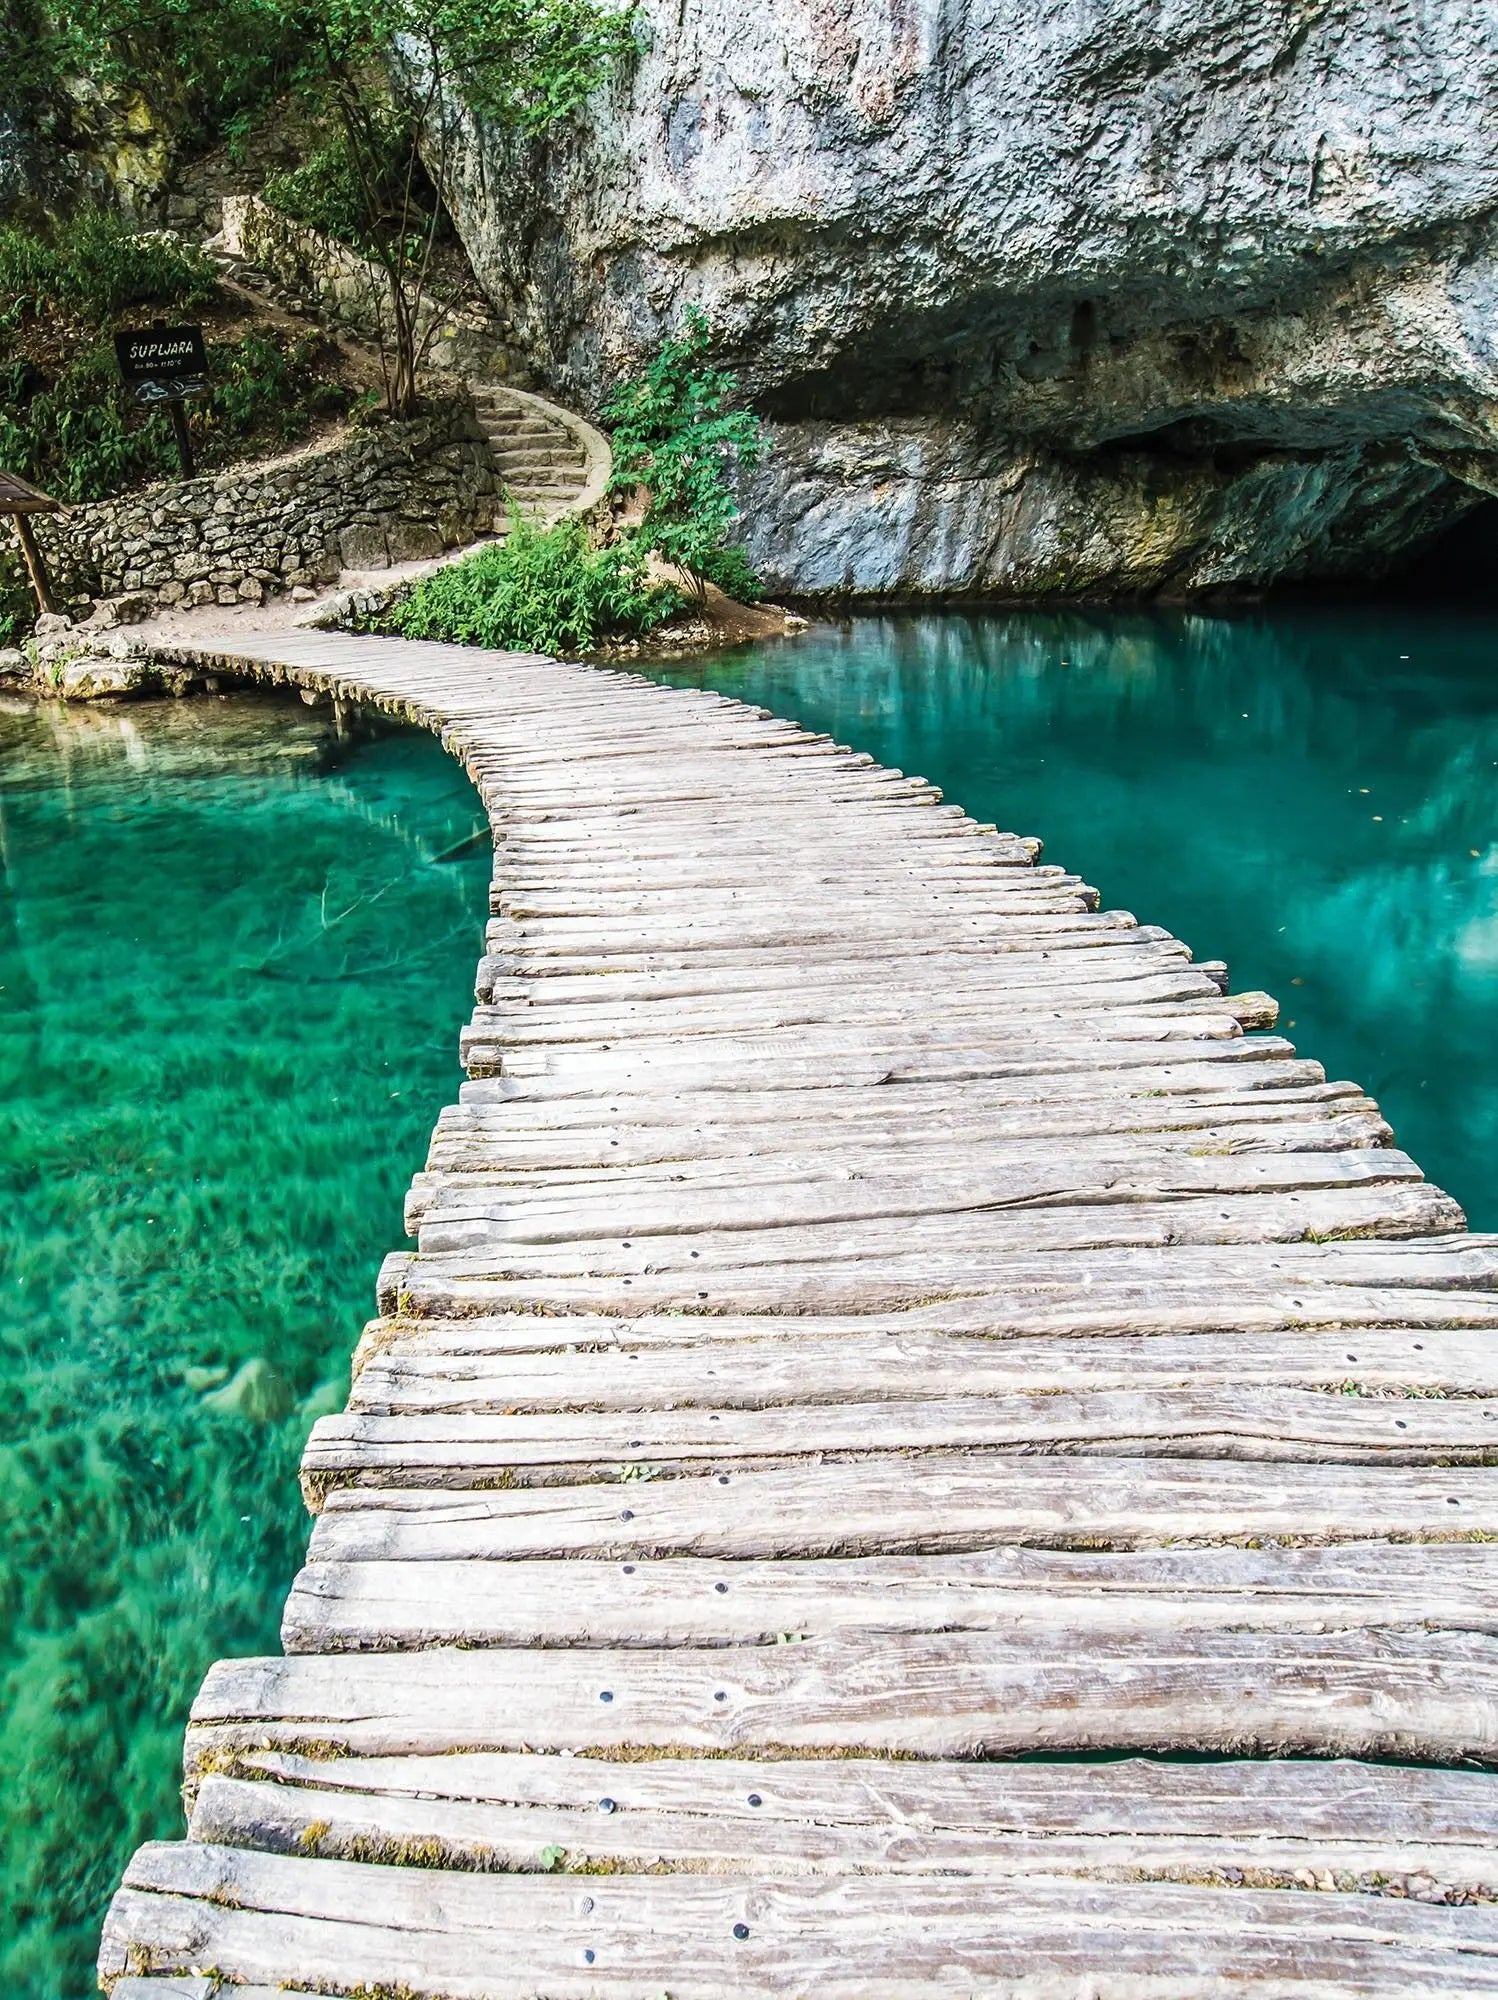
[392,77]
[677,433]
[395,77]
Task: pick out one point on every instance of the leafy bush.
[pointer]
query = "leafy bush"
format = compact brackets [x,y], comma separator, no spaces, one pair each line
[65,423]
[92,268]
[677,434]
[543,590]
[327,192]
[321,194]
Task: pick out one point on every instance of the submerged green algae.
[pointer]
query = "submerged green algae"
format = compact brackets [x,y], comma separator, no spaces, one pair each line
[232,973]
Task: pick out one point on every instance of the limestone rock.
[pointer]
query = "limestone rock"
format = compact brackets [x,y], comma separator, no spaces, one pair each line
[130,608]
[1040,295]
[254,1392]
[96,676]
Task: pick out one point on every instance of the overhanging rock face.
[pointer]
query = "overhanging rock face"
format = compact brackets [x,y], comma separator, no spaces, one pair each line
[1043,296]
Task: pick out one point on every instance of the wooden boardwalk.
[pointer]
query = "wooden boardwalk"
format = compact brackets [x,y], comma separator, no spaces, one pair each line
[875,1318]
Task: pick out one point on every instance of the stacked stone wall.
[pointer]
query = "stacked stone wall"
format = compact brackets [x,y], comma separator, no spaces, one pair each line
[394,492]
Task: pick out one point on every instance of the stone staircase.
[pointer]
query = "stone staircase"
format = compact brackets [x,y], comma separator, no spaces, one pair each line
[549,462]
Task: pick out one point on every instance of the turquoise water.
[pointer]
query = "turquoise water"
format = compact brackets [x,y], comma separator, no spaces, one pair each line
[232,967]
[1310,794]
[231,978]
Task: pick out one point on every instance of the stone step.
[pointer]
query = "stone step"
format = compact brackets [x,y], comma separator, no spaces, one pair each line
[542,488]
[496,406]
[527,436]
[571,464]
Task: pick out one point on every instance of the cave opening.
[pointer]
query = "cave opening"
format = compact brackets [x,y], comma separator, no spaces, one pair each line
[1460,566]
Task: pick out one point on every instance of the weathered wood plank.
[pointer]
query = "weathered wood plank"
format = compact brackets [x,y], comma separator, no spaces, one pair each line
[1085,1596]
[496,1937]
[754,1363]
[886,1186]
[895,1800]
[943,1249]
[1384,1692]
[934,1502]
[457,1449]
[843,1816]
[751,1362]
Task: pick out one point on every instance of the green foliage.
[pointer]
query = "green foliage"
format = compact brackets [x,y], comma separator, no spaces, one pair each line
[522,63]
[321,194]
[543,590]
[677,433]
[219,63]
[90,268]
[395,77]
[64,421]
[267,388]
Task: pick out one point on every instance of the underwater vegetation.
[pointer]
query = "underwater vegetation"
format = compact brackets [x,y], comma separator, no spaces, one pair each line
[232,970]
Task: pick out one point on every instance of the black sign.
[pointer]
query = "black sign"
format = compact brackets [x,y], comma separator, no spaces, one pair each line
[162,364]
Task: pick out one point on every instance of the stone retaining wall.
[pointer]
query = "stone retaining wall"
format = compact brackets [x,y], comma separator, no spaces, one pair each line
[391,493]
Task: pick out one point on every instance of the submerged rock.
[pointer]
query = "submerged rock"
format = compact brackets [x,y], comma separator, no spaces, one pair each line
[1043,296]
[254,1391]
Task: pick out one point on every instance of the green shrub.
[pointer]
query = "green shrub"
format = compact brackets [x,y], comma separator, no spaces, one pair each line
[327,192]
[92,268]
[677,433]
[17,605]
[543,590]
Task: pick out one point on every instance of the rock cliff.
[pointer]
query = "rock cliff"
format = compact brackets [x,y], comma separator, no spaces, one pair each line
[1044,295]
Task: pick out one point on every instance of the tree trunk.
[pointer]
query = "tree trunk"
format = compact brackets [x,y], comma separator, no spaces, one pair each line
[403,344]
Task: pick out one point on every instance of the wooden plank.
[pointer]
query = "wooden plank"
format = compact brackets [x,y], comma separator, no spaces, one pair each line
[841,1816]
[1169,1291]
[898,1800]
[933,1503]
[478,1936]
[946,1249]
[383,1606]
[755,1365]
[1281,1425]
[894,1005]
[472,1150]
[866,1186]
[1206,1076]
[1403,1693]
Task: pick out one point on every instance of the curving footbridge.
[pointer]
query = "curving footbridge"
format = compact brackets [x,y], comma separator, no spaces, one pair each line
[912,1455]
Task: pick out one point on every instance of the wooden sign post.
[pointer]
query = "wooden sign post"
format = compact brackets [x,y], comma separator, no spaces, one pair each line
[20,500]
[165,364]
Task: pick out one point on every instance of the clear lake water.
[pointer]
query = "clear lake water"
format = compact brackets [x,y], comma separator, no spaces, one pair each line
[232,973]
